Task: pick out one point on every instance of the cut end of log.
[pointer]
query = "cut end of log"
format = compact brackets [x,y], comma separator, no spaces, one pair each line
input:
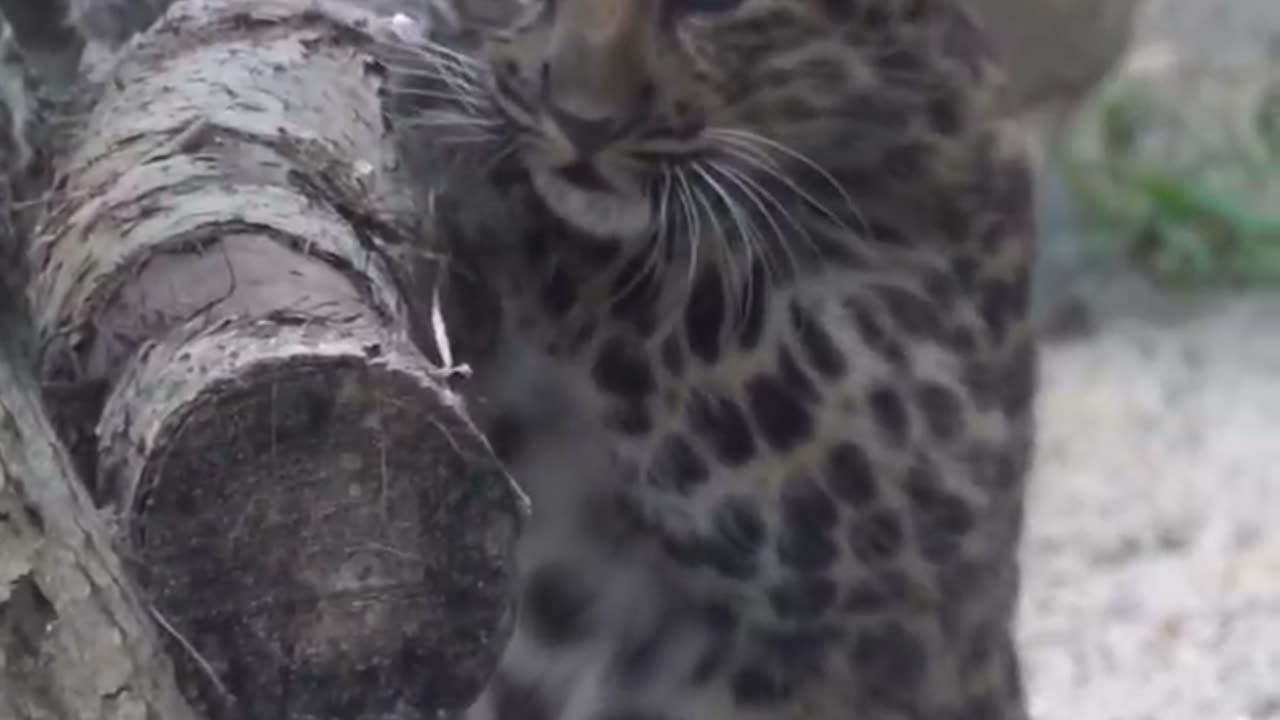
[291,504]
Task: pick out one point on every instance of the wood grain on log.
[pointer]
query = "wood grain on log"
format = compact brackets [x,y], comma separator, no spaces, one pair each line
[311,519]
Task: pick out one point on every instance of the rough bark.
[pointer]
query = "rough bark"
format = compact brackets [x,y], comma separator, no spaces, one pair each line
[76,641]
[295,518]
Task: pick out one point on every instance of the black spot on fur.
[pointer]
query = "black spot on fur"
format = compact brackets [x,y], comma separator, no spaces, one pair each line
[901,61]
[849,475]
[780,661]
[876,536]
[888,663]
[962,340]
[884,233]
[943,518]
[819,349]
[678,465]
[1008,182]
[704,316]
[560,292]
[739,525]
[536,245]
[722,423]
[986,384]
[794,376]
[673,354]
[578,339]
[805,548]
[875,336]
[714,553]
[622,368]
[883,591]
[803,598]
[720,621]
[800,653]
[754,309]
[555,605]
[783,420]
[941,409]
[993,234]
[915,315]
[634,294]
[997,304]
[890,414]
[994,469]
[804,502]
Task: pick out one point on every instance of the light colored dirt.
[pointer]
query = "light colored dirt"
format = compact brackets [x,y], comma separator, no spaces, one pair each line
[1153,553]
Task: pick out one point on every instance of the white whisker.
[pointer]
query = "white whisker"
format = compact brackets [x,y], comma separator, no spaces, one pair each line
[694,224]
[439,70]
[746,232]
[778,206]
[656,244]
[750,190]
[501,154]
[425,47]
[433,119]
[433,94]
[757,145]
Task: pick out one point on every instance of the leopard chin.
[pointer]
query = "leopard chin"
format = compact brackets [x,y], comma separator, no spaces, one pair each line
[601,214]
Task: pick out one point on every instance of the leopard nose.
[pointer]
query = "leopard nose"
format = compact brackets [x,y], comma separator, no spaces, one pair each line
[592,116]
[587,135]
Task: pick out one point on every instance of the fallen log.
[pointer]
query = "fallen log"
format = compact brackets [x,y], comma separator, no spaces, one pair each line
[313,525]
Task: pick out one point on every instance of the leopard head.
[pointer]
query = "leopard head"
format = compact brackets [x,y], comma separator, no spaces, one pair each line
[628,114]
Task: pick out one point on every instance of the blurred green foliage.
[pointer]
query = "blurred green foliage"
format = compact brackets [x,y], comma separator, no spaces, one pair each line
[1205,214]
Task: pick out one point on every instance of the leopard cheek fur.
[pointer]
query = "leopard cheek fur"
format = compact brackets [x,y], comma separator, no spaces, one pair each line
[781,477]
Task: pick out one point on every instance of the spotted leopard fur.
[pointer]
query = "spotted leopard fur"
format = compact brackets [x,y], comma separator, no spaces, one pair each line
[764,365]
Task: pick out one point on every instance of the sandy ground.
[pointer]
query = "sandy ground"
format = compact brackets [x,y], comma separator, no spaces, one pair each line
[1153,543]
[1153,551]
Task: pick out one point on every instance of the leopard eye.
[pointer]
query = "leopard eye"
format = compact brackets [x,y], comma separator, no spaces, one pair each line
[706,6]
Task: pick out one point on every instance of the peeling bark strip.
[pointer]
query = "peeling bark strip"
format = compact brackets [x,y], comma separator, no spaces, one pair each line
[319,527]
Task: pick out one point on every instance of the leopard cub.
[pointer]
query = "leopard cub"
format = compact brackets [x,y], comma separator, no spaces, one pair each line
[764,366]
